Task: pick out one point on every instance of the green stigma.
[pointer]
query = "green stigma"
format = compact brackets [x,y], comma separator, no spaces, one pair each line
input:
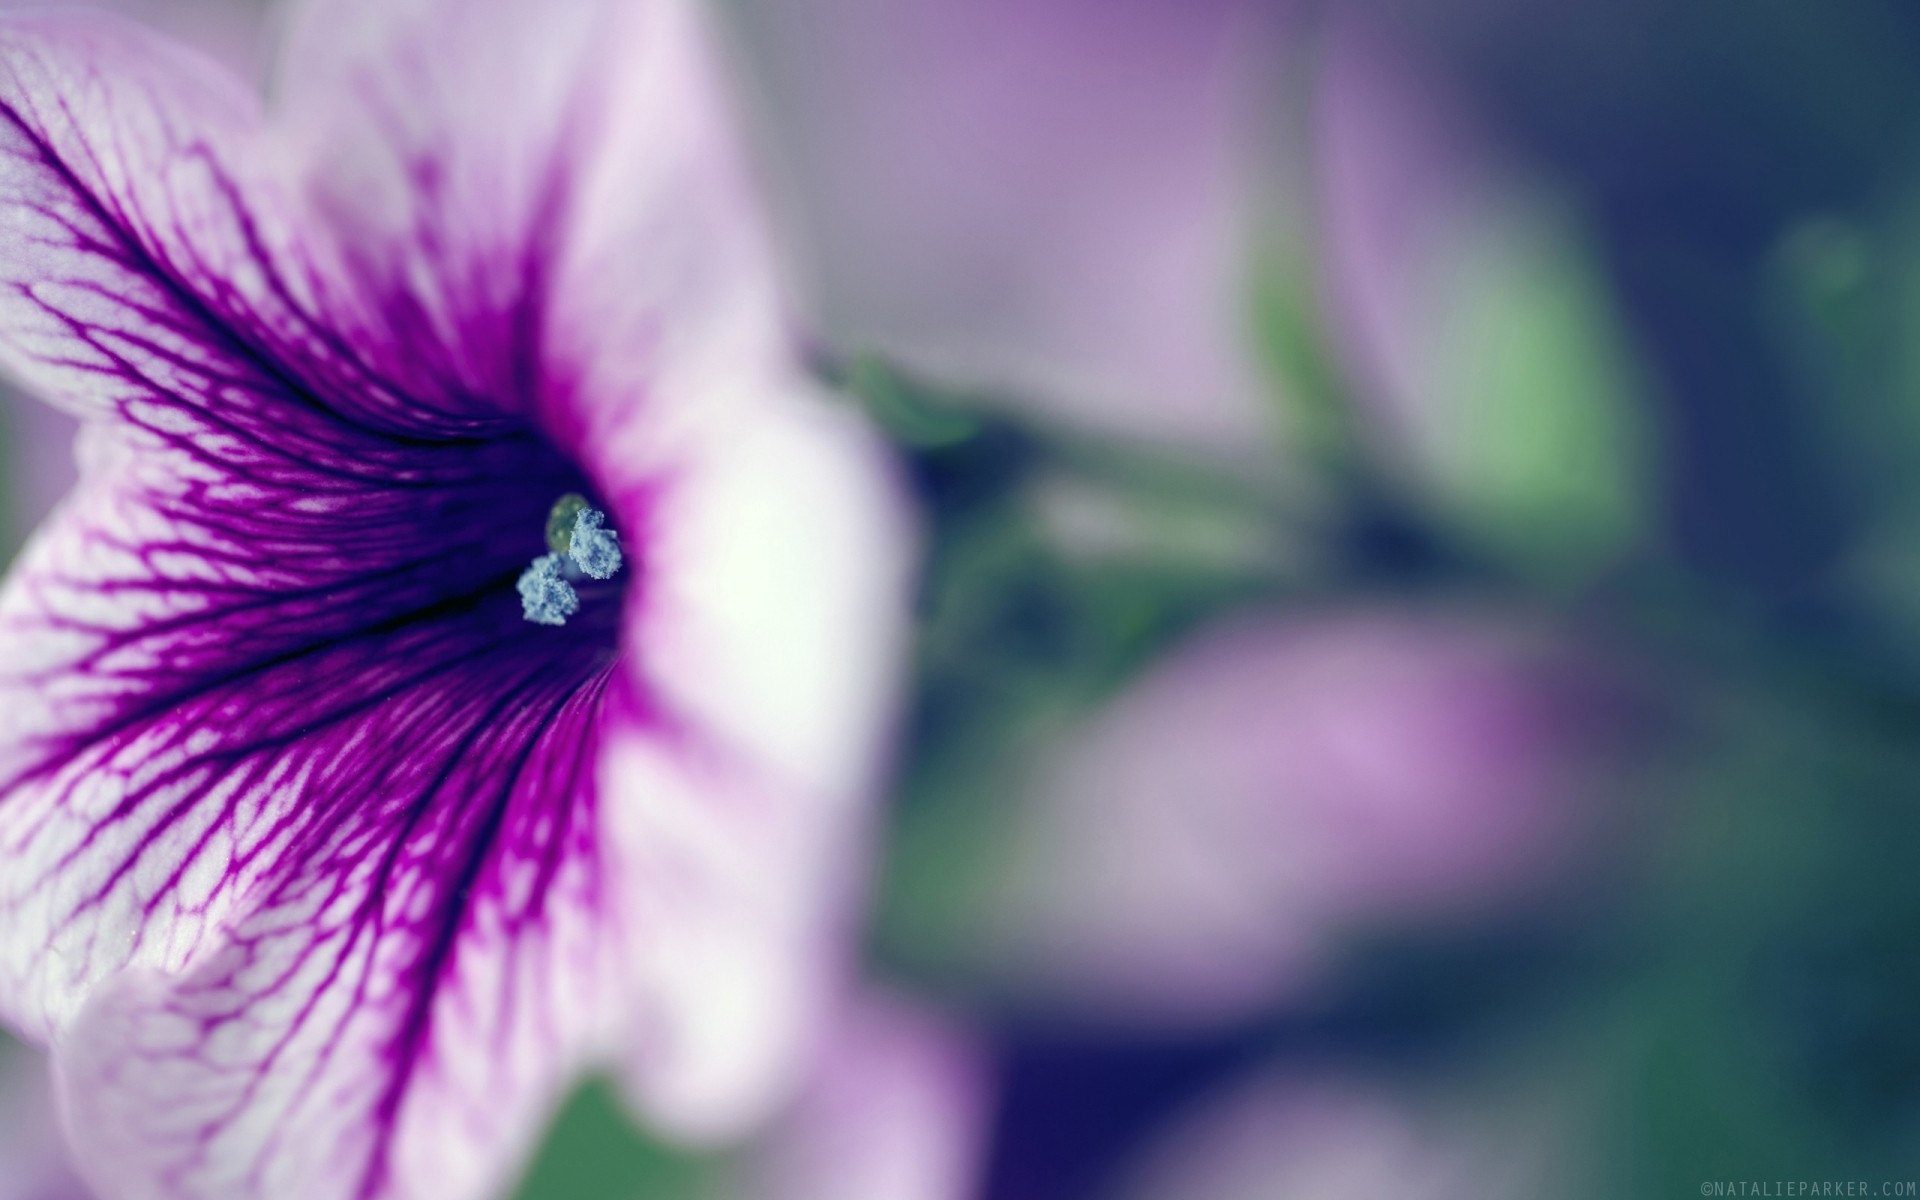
[560,522]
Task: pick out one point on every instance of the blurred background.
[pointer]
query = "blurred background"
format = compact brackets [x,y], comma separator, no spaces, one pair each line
[1417,690]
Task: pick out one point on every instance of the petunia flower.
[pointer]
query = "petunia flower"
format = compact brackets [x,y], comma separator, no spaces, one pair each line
[322,868]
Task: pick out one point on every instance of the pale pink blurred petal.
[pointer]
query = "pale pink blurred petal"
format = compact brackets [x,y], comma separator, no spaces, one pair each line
[1195,849]
[896,1109]
[1354,1139]
[1048,198]
[235,33]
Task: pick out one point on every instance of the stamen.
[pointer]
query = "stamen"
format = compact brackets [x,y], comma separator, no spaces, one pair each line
[545,597]
[595,549]
[582,545]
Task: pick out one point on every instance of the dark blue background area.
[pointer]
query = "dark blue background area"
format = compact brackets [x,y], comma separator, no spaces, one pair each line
[1698,135]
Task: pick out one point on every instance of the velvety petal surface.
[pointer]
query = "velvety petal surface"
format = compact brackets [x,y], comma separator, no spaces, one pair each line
[323,868]
[767,630]
[515,194]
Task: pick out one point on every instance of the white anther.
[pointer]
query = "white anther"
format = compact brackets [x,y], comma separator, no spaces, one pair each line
[595,548]
[545,596]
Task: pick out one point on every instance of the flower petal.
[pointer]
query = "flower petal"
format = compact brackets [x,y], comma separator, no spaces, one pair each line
[1047,200]
[894,1109]
[107,161]
[421,949]
[393,237]
[522,189]
[157,253]
[771,620]
[769,615]
[231,521]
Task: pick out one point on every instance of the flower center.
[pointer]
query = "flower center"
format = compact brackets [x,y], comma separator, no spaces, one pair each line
[582,547]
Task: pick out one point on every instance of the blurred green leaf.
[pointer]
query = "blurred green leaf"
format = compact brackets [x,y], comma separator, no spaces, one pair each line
[913,416]
[1540,440]
[1309,390]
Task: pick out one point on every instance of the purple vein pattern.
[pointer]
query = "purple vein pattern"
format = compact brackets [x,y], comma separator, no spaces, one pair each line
[322,870]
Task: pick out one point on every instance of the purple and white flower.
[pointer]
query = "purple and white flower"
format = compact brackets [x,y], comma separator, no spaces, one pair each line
[322,868]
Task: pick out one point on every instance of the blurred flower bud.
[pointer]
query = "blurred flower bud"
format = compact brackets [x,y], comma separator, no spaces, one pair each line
[1193,851]
[1475,319]
[1358,1139]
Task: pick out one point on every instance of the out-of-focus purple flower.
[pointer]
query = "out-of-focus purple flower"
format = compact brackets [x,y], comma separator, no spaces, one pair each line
[1045,198]
[1193,850]
[322,869]
[33,1157]
[1356,1139]
[895,1109]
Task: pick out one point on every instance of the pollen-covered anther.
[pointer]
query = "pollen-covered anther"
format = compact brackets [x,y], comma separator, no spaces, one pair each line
[595,549]
[545,595]
[582,548]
